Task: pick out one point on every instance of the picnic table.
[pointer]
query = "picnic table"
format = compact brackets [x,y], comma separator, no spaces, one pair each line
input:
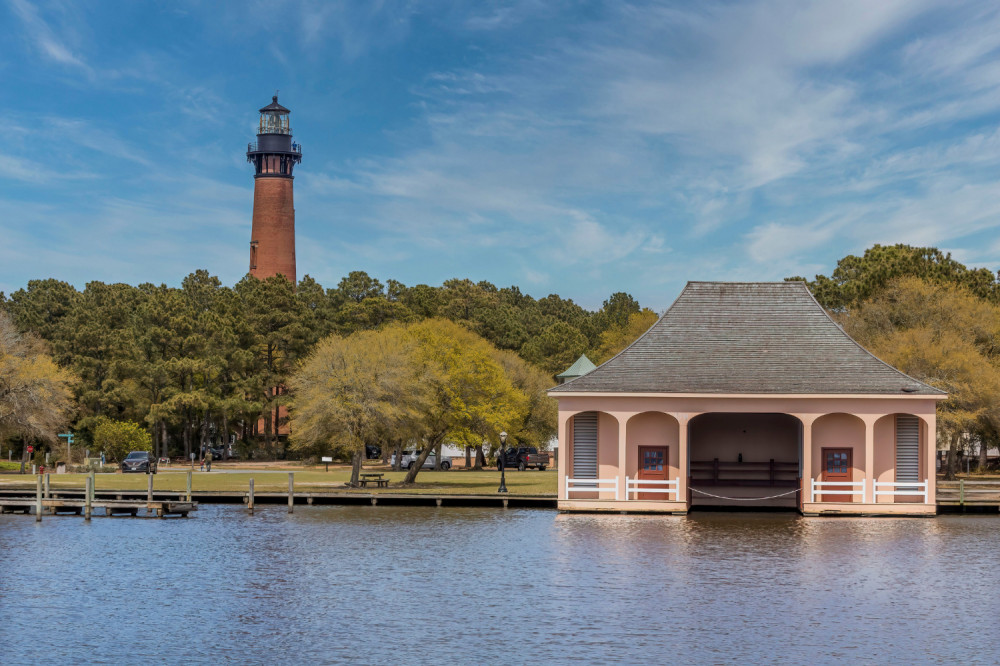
[378,478]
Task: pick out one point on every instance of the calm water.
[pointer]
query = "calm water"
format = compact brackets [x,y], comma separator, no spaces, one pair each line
[425,585]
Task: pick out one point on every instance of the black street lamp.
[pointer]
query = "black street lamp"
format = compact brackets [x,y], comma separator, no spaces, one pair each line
[503,448]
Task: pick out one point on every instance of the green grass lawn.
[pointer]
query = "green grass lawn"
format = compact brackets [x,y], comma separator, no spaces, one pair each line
[454,482]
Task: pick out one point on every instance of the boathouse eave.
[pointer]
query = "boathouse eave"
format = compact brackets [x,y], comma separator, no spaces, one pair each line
[751,396]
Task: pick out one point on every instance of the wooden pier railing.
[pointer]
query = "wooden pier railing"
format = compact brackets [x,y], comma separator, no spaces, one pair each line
[47,500]
[968,492]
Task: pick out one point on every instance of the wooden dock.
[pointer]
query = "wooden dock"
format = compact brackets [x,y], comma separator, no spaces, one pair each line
[53,506]
[173,501]
[962,495]
[968,494]
[53,502]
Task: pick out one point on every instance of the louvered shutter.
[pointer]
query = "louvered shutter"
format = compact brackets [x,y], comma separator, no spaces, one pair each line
[585,445]
[907,448]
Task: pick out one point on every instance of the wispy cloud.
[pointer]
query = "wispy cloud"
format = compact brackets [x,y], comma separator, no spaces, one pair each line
[85,134]
[583,149]
[44,38]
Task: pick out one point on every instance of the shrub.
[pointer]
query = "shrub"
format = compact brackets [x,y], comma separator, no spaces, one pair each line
[117,438]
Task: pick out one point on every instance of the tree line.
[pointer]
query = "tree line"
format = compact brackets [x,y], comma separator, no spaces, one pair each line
[198,363]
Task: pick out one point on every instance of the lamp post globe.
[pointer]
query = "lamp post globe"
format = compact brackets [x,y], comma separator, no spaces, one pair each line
[503,448]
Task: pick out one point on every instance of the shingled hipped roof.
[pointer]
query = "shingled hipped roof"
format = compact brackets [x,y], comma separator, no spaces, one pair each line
[746,337]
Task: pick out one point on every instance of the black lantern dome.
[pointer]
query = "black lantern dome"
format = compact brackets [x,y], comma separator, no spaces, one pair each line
[275,154]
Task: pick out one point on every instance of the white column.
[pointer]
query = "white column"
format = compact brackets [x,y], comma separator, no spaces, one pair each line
[565,432]
[682,455]
[869,478]
[807,457]
[930,453]
[622,455]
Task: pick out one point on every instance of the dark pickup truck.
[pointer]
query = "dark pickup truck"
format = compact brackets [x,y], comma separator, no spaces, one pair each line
[524,457]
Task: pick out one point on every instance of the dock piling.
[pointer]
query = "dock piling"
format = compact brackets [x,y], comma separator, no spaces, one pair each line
[189,486]
[47,487]
[291,492]
[250,497]
[38,499]
[89,498]
[149,487]
[93,486]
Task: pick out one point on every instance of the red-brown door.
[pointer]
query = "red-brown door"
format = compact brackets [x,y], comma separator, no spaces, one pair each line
[653,467]
[837,467]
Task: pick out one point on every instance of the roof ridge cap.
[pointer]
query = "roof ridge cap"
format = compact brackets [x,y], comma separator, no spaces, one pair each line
[788,282]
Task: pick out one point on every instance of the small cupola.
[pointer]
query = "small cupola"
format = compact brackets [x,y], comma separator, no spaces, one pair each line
[582,366]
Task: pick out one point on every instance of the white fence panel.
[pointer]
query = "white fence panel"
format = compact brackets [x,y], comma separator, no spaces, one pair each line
[835,488]
[591,486]
[892,488]
[660,487]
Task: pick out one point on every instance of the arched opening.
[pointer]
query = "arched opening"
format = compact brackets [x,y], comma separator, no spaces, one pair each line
[652,455]
[593,456]
[745,460]
[838,455]
[901,457]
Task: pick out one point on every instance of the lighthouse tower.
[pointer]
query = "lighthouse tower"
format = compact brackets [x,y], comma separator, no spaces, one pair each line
[272,237]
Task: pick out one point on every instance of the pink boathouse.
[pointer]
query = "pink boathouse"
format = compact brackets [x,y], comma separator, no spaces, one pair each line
[746,394]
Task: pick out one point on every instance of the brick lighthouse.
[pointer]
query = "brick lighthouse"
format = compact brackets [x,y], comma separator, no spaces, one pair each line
[272,237]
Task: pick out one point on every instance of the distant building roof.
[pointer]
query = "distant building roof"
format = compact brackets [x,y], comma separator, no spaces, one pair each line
[746,337]
[582,366]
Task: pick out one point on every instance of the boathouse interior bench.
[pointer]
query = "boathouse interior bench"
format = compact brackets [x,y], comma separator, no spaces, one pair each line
[731,473]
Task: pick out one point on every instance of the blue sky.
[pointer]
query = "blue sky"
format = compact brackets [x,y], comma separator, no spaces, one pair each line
[578,148]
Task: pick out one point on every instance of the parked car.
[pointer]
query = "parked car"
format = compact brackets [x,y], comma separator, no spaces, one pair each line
[222,453]
[373,452]
[140,461]
[410,459]
[523,458]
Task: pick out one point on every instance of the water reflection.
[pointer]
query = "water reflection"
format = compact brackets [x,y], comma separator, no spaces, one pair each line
[425,585]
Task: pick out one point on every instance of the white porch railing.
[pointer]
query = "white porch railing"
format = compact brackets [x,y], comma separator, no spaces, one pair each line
[666,487]
[892,488]
[591,486]
[820,488]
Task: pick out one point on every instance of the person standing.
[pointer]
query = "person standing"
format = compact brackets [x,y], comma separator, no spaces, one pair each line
[208,460]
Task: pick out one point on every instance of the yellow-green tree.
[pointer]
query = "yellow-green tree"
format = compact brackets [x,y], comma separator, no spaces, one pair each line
[945,336]
[36,397]
[620,335]
[353,391]
[116,439]
[469,397]
[537,426]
